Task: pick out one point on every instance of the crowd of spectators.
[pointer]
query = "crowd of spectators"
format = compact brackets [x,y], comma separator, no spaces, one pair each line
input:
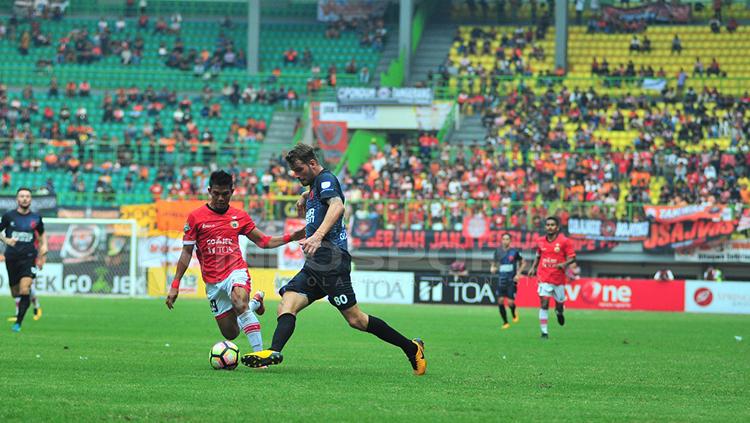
[536,161]
[140,115]
[513,56]
[371,32]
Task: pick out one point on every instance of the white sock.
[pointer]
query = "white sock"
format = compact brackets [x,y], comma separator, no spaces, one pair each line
[34,299]
[253,305]
[543,315]
[249,324]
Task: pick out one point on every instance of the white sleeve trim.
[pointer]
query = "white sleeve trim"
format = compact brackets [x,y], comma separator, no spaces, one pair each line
[188,242]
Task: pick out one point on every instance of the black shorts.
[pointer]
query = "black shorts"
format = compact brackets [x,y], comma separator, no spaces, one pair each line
[20,268]
[328,272]
[506,289]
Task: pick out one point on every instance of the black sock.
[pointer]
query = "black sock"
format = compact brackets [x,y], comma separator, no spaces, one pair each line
[23,305]
[284,330]
[513,310]
[381,329]
[503,314]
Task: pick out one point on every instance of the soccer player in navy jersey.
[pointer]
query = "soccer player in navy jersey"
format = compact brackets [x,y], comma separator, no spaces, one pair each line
[22,231]
[327,268]
[508,264]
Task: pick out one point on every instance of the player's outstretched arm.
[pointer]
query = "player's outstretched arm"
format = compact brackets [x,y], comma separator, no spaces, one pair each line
[264,241]
[182,265]
[334,212]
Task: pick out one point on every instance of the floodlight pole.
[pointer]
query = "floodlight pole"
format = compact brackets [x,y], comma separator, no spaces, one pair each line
[253,37]
[561,34]
[406,14]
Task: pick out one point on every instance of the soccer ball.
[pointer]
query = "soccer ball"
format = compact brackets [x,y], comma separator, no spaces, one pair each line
[224,355]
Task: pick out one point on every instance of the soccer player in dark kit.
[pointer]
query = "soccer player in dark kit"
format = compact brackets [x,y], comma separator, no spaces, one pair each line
[327,268]
[22,231]
[508,264]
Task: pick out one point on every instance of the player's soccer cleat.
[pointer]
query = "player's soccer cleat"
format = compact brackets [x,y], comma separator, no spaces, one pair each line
[545,336]
[515,319]
[259,298]
[418,362]
[262,358]
[560,319]
[16,327]
[37,313]
[12,319]
[505,326]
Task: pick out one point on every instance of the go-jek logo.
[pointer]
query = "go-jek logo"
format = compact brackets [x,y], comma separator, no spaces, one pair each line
[594,292]
[703,297]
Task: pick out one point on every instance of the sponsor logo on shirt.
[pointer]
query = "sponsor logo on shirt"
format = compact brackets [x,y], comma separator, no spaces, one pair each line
[310,216]
[325,185]
[22,236]
[207,226]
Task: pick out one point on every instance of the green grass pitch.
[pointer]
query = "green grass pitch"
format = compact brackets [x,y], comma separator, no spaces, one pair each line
[105,359]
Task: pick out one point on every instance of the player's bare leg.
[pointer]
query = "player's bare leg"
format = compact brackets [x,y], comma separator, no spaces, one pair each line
[228,325]
[512,307]
[503,313]
[559,309]
[544,315]
[24,288]
[291,304]
[414,349]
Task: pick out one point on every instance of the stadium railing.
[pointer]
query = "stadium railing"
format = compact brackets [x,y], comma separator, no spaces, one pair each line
[112,78]
[604,84]
[282,207]
[197,8]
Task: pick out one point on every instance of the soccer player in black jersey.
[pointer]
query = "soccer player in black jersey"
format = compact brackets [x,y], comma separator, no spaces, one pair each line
[22,231]
[327,269]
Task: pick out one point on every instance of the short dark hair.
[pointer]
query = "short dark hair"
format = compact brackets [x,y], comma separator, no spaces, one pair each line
[220,178]
[301,152]
[554,219]
[23,189]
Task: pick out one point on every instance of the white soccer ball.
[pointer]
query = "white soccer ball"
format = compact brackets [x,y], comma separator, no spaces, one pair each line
[224,355]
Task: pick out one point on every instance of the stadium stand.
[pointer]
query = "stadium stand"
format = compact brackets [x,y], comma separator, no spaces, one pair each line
[95,50]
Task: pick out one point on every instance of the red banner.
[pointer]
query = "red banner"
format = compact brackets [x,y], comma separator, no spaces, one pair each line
[673,214]
[612,294]
[433,241]
[653,12]
[666,237]
[333,139]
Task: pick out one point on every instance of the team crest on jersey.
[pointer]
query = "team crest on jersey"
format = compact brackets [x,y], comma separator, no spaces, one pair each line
[234,224]
[557,248]
[187,227]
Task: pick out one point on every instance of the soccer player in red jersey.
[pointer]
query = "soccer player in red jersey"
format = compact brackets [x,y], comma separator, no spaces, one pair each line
[215,229]
[554,252]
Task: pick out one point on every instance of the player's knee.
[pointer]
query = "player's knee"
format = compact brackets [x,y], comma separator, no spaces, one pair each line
[230,333]
[240,308]
[358,321]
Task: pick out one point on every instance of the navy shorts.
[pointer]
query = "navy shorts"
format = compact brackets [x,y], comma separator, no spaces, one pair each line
[328,272]
[506,289]
[20,268]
